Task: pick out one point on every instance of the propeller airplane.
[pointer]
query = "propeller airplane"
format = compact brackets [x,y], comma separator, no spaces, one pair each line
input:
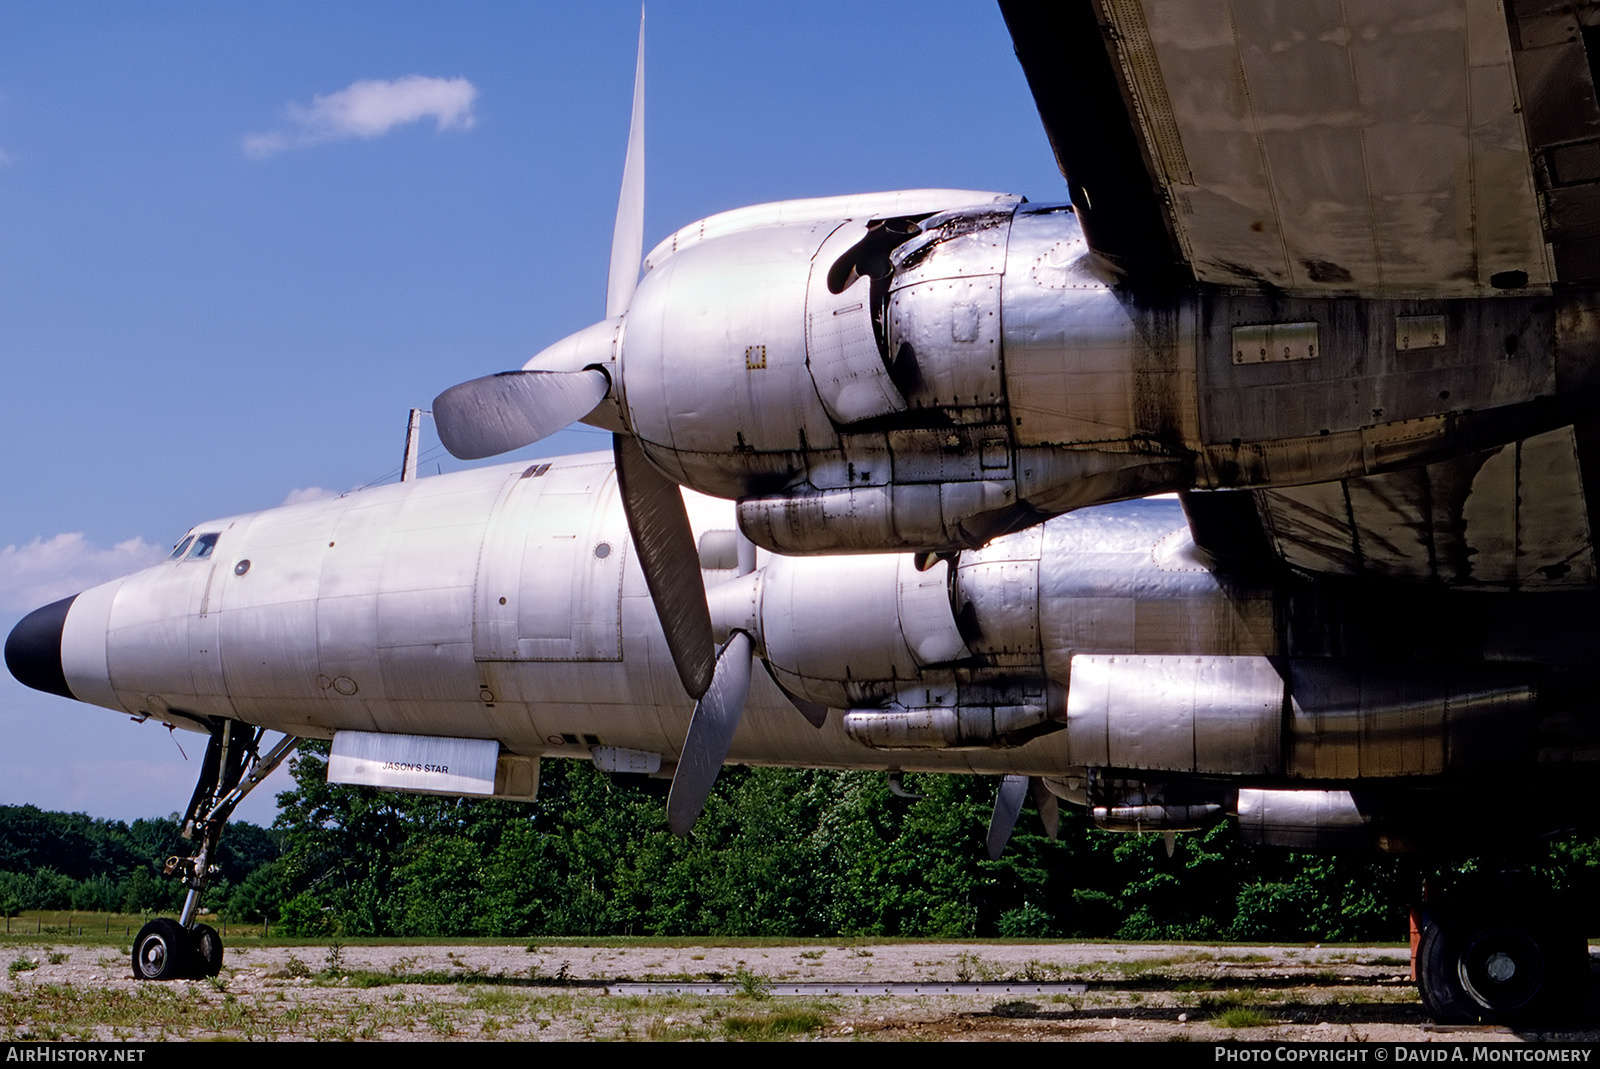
[1327,275]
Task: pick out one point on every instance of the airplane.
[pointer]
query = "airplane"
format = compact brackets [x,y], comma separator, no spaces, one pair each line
[1325,276]
[449,632]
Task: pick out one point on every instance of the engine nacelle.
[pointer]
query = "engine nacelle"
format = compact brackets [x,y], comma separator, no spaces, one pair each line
[846,378]
[847,631]
[930,369]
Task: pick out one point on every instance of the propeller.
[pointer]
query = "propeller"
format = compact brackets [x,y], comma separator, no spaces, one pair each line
[665,544]
[1048,805]
[627,234]
[498,413]
[717,714]
[502,412]
[1008,805]
[711,730]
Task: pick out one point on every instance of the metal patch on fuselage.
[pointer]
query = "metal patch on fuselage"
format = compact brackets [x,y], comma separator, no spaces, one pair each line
[1261,343]
[1419,332]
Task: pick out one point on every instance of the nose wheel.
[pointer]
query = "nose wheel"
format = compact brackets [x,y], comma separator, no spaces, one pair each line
[184,949]
[161,952]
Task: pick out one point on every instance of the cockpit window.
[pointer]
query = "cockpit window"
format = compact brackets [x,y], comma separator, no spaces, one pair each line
[181,548]
[203,546]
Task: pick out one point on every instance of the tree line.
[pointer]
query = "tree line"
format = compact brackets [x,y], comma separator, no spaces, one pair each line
[787,852]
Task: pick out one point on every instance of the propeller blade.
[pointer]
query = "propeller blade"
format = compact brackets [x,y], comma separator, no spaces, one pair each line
[1007,805]
[627,236]
[897,785]
[711,730]
[498,413]
[1048,805]
[670,561]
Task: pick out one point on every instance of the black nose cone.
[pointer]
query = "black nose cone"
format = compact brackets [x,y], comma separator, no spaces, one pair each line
[33,649]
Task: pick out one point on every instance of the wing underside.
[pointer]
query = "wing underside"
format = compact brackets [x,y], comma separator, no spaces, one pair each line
[1516,517]
[1388,147]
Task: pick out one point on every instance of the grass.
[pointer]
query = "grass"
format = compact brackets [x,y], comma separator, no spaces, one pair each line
[1234,1010]
[773,1025]
[91,927]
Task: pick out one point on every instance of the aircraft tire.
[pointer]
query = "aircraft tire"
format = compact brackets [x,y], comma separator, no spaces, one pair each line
[206,951]
[1493,970]
[162,951]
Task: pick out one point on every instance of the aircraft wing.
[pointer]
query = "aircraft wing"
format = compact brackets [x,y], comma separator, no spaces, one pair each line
[1427,148]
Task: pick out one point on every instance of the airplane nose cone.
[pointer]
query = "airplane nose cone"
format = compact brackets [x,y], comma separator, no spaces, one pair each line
[33,649]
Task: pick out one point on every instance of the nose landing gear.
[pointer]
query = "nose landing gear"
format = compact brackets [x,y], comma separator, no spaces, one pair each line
[182,949]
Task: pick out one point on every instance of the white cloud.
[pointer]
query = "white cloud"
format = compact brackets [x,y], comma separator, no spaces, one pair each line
[302,494]
[47,570]
[370,109]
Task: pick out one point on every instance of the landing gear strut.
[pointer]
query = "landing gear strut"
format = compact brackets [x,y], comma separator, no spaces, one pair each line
[182,949]
[1504,954]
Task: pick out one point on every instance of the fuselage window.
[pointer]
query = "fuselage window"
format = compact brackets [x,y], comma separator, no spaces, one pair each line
[179,550]
[203,546]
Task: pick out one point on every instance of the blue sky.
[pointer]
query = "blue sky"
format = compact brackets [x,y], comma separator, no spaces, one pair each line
[228,268]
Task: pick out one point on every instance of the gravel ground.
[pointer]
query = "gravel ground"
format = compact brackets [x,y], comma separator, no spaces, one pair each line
[1139,992]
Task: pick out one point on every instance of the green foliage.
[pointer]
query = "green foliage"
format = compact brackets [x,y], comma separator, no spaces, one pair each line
[772,1025]
[1028,922]
[1241,1017]
[71,861]
[784,852]
[791,852]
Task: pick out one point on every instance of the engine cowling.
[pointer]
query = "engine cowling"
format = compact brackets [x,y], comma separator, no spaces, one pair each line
[846,379]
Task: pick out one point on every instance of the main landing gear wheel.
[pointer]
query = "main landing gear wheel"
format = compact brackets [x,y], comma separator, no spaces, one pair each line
[162,951]
[1501,970]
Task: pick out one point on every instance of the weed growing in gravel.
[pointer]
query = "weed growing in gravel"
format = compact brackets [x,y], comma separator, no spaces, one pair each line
[752,985]
[767,1026]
